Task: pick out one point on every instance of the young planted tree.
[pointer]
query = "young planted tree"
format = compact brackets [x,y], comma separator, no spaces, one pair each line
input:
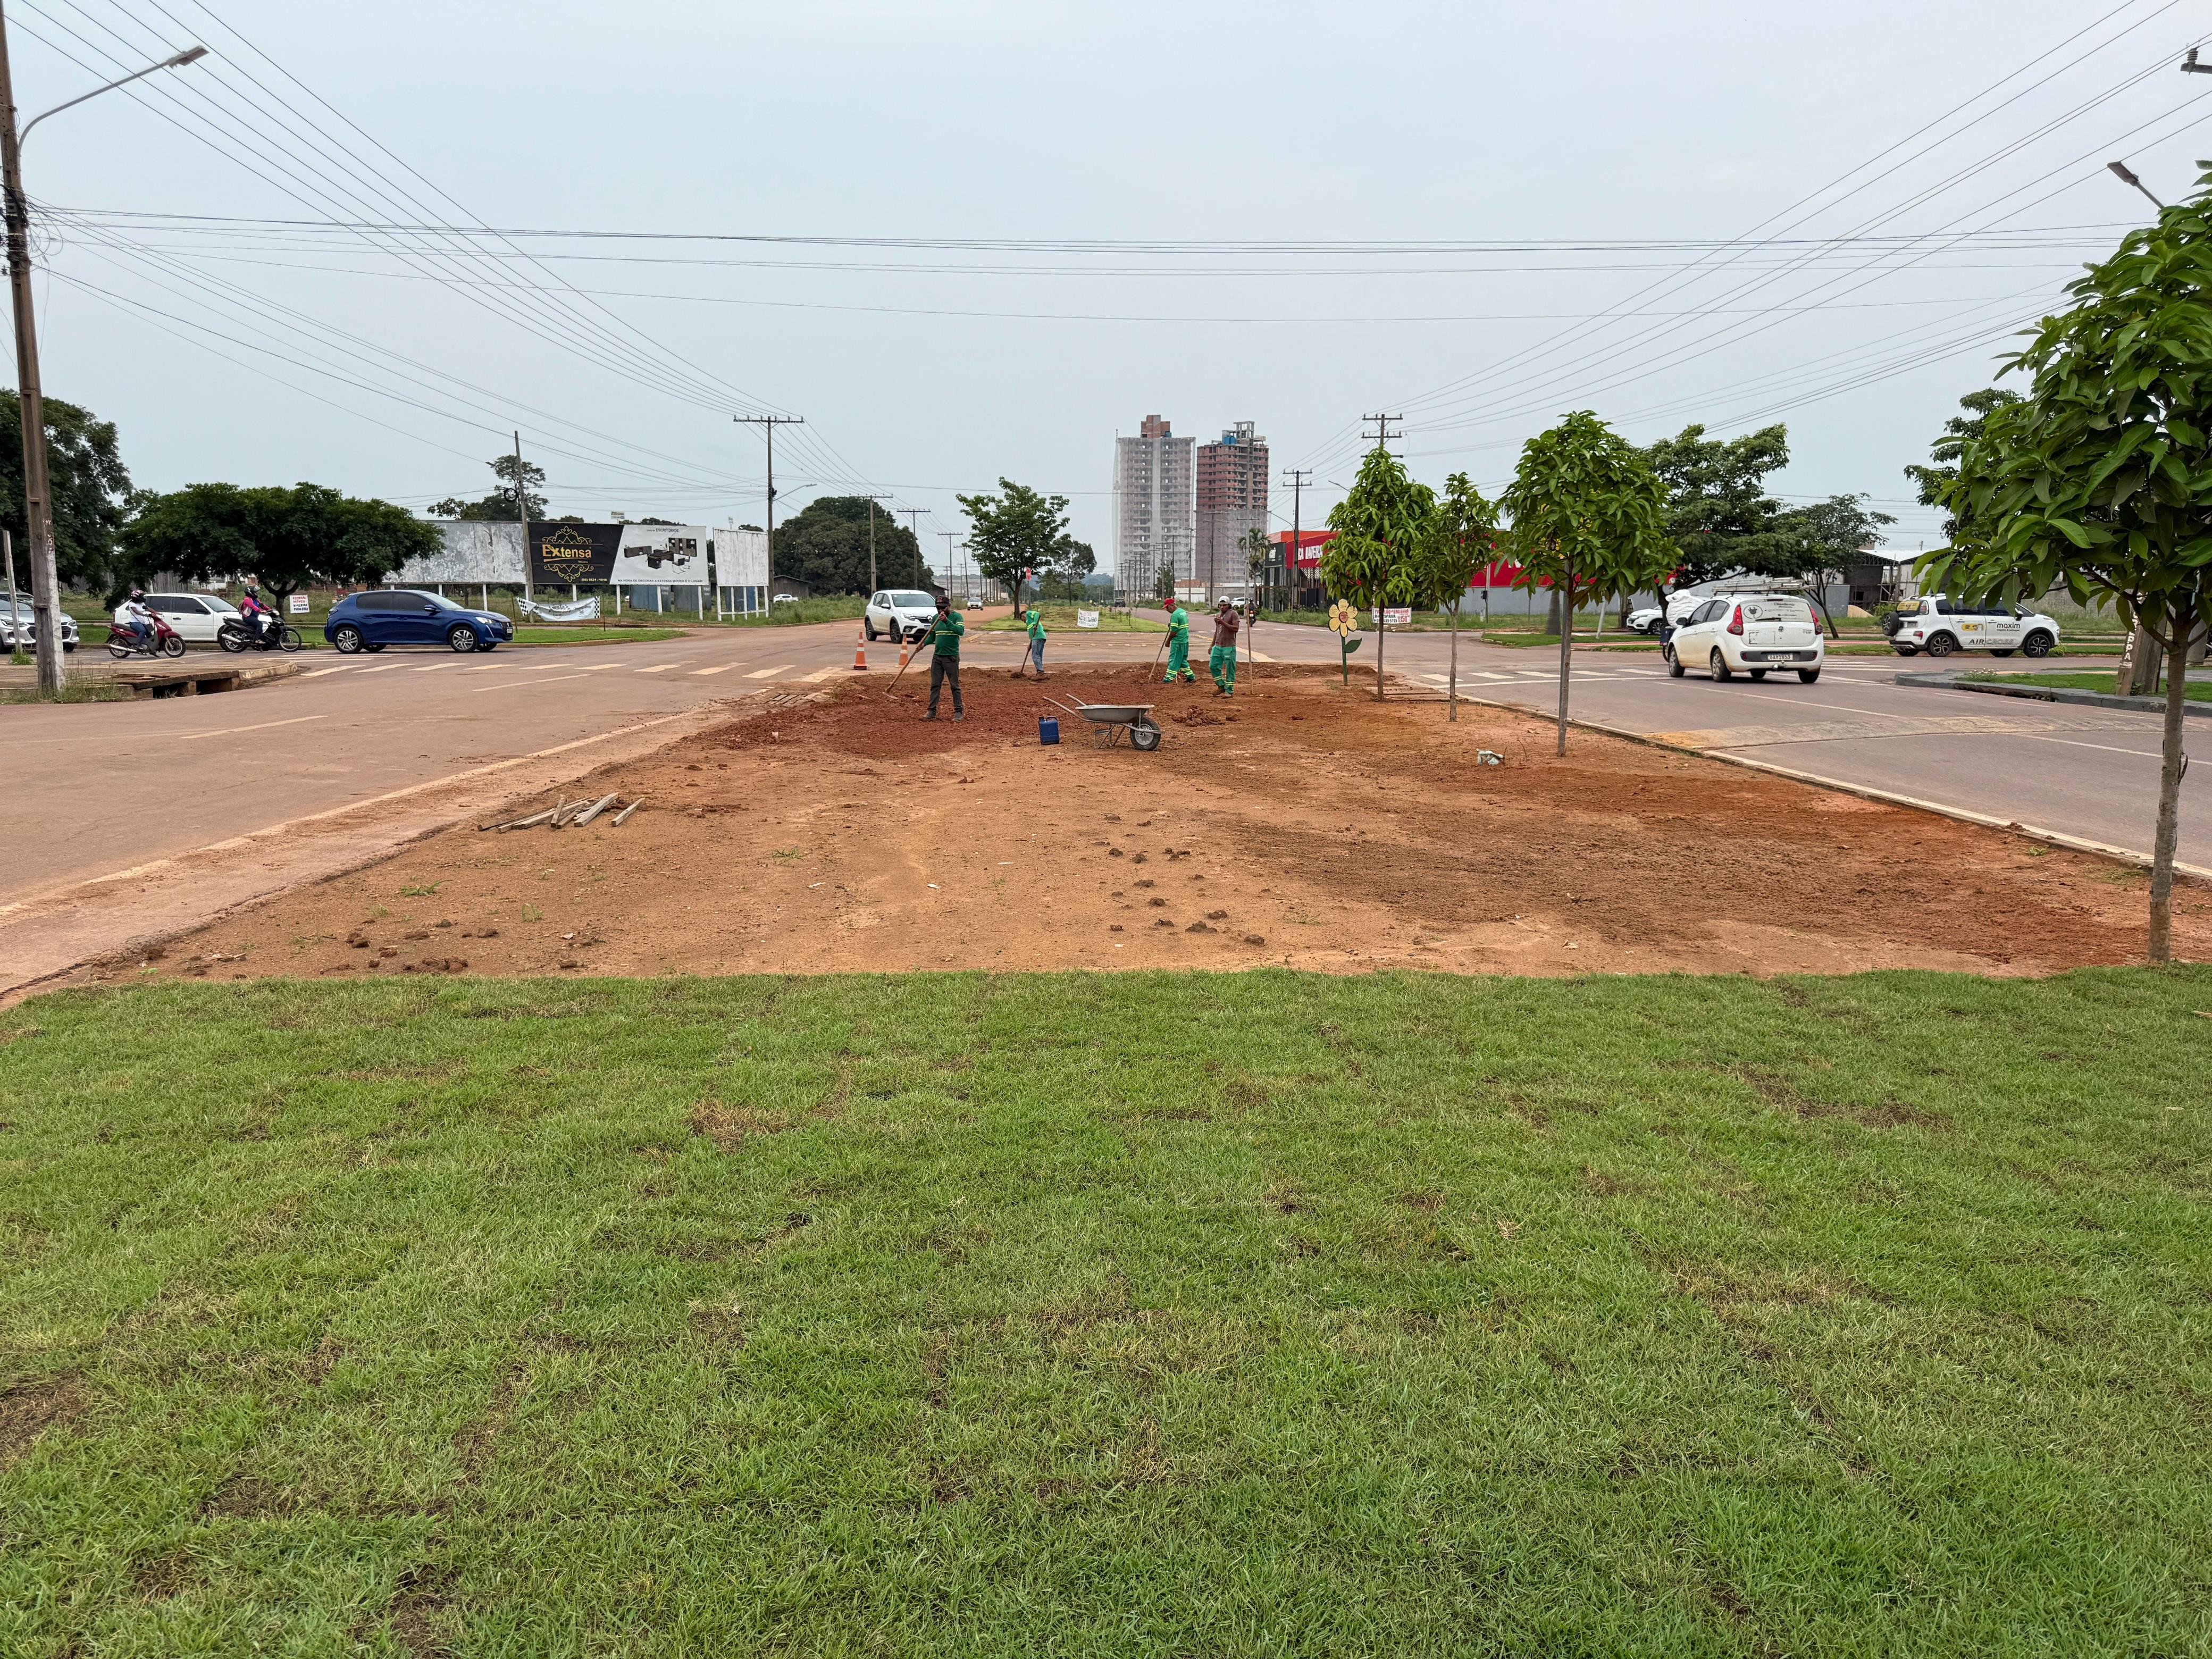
[1463,539]
[1381,527]
[1014,532]
[1589,516]
[2100,478]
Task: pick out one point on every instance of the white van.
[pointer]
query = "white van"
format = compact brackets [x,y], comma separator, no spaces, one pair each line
[1750,634]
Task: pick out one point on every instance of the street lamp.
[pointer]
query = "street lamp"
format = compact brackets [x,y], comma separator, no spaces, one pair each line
[38,500]
[2126,176]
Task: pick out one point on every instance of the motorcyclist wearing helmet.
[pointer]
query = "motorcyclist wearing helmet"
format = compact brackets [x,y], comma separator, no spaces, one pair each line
[258,616]
[133,616]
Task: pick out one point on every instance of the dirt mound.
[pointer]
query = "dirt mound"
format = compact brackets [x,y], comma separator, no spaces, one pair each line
[1299,824]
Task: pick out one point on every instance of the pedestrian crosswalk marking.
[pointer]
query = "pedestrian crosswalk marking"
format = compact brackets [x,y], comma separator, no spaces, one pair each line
[770,673]
[720,668]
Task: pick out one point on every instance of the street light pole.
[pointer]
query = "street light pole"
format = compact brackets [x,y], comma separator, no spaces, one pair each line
[38,499]
[2126,176]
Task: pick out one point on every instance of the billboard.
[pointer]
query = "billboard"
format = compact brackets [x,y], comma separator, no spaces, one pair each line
[574,552]
[662,554]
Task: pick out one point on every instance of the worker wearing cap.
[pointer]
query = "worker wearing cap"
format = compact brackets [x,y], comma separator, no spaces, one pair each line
[1221,660]
[1036,653]
[1179,645]
[943,639]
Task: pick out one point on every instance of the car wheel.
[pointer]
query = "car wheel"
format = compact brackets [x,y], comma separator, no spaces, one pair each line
[461,637]
[347,638]
[1942,645]
[2037,644]
[867,630]
[1718,664]
[1759,673]
[1674,669]
[1809,675]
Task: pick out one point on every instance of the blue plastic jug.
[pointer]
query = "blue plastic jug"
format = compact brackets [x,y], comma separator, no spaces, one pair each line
[1047,730]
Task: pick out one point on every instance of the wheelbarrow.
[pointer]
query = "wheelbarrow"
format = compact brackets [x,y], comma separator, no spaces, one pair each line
[1111,721]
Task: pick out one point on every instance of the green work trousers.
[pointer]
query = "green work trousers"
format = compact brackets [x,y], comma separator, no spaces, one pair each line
[1179,661]
[1221,663]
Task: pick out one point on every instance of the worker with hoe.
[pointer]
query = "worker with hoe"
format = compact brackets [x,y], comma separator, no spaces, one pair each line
[1221,660]
[944,640]
[1035,650]
[1179,645]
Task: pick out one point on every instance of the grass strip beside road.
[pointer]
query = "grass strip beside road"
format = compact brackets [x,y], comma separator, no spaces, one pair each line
[1119,1315]
[2193,690]
[589,635]
[1060,619]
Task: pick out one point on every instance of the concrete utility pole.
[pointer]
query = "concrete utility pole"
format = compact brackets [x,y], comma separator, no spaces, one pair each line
[1381,434]
[769,423]
[914,528]
[1299,479]
[872,501]
[38,496]
[522,514]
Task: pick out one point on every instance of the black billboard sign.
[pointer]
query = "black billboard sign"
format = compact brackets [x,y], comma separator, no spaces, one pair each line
[574,552]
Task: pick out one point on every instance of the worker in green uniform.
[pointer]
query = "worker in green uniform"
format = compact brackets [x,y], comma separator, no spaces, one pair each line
[1179,646]
[1221,660]
[1036,642]
[943,639]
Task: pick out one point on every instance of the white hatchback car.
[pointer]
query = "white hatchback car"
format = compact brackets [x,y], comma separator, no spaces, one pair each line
[196,616]
[901,612]
[1749,633]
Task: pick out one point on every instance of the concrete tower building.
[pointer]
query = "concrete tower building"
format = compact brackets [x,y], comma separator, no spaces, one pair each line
[1232,502]
[1152,523]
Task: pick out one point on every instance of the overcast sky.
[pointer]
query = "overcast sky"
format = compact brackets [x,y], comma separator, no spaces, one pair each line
[1562,172]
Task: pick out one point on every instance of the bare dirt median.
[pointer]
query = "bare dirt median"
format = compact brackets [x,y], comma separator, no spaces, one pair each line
[1300,825]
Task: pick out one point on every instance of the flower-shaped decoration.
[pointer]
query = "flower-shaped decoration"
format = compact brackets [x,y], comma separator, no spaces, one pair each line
[1344,617]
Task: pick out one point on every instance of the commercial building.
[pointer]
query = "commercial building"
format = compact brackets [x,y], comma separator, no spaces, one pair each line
[1232,503]
[1152,523]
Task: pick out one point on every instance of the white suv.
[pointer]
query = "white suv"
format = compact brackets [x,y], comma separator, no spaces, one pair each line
[1939,627]
[901,612]
[1749,633]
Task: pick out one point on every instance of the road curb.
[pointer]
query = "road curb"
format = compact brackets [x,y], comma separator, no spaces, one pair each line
[2049,694]
[2126,856]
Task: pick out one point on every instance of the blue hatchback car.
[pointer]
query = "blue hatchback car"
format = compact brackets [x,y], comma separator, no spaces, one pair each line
[405,616]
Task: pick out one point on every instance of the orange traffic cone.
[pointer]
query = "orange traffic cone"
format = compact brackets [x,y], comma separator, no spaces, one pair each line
[860,654]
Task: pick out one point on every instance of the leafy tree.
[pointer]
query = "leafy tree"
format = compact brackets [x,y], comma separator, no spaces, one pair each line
[1381,526]
[1068,576]
[2100,478]
[92,493]
[1016,531]
[1589,516]
[1934,481]
[1163,583]
[500,504]
[1463,539]
[1719,515]
[285,539]
[826,544]
[1818,543]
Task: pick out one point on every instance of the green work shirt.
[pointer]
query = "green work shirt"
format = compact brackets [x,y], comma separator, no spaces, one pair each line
[1036,626]
[945,634]
[1179,625]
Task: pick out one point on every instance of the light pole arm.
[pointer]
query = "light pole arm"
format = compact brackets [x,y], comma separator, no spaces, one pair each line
[190,55]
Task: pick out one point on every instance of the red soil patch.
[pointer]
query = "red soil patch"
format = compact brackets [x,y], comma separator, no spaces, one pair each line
[1300,825]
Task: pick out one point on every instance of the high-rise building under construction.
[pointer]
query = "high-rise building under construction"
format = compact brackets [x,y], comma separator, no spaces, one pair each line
[1232,503]
[1152,524]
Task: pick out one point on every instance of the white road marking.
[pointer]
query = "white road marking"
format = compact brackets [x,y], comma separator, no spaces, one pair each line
[2076,743]
[432,667]
[384,668]
[821,674]
[512,685]
[320,673]
[660,668]
[722,668]
[593,668]
[770,673]
[488,668]
[193,736]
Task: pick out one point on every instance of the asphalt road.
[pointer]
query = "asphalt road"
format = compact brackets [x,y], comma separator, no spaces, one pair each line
[123,784]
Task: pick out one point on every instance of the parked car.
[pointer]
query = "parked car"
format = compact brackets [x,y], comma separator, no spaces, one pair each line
[1644,620]
[28,620]
[198,617]
[407,616]
[1753,634]
[1938,626]
[898,611]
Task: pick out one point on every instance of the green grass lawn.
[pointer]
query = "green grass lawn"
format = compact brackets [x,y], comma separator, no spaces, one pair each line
[1060,619]
[2193,690]
[1145,1314]
[567,633]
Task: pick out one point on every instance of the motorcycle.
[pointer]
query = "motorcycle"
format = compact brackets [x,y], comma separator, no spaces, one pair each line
[122,643]
[238,634]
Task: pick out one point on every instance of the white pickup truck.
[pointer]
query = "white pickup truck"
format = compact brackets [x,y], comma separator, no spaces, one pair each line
[1939,626]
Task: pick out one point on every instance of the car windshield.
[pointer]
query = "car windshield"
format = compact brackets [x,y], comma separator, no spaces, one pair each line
[914,601]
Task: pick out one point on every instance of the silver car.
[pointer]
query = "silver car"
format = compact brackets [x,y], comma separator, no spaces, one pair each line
[901,613]
[20,618]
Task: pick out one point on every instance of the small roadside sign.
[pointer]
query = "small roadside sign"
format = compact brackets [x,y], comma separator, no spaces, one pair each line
[1086,619]
[1398,617]
[297,605]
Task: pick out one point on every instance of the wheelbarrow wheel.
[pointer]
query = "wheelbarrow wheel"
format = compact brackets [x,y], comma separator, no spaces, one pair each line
[1145,735]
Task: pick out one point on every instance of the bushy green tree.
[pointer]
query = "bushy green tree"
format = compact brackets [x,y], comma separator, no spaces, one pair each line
[2099,479]
[285,540]
[500,505]
[1718,514]
[1381,526]
[1589,517]
[1935,480]
[826,545]
[1016,531]
[1818,544]
[92,493]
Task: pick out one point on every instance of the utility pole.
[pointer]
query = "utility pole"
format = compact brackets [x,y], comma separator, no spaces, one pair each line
[1299,479]
[914,528]
[522,514]
[769,423]
[872,501]
[951,562]
[37,498]
[1381,436]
